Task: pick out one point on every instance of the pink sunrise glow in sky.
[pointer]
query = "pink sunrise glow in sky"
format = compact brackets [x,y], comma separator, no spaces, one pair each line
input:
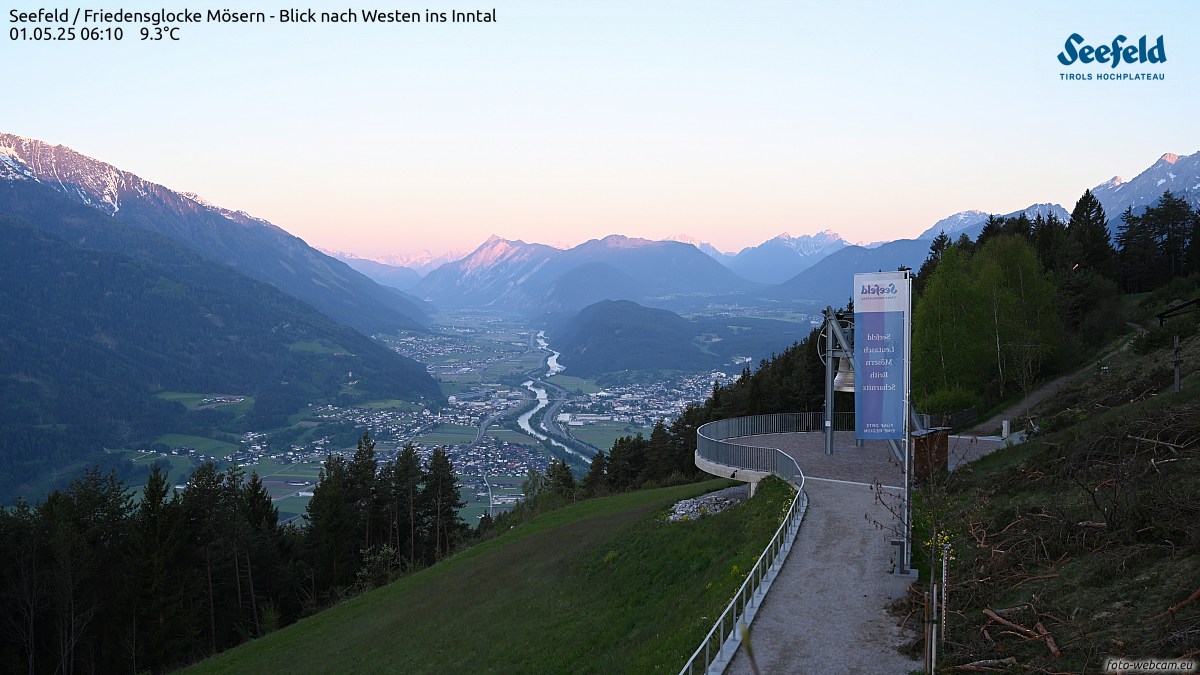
[729,122]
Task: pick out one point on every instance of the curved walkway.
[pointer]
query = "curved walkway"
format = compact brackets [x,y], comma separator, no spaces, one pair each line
[826,612]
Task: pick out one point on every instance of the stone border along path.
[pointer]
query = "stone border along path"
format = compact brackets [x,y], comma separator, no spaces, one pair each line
[826,612]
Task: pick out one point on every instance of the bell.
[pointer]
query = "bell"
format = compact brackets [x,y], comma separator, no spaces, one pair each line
[844,379]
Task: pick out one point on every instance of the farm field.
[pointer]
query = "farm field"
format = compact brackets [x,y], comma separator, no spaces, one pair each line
[603,434]
[179,467]
[448,434]
[194,400]
[572,384]
[208,446]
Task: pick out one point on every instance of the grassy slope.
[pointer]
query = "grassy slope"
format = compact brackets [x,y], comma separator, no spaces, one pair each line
[600,586]
[1080,531]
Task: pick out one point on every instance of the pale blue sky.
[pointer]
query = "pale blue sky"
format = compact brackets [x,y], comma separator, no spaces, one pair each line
[727,121]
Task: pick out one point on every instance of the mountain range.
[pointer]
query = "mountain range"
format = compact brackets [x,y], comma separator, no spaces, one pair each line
[1179,174]
[115,289]
[508,274]
[971,222]
[381,296]
[396,276]
[783,257]
[250,245]
[109,297]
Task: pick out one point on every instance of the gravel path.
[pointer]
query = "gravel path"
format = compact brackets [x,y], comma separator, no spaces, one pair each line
[827,612]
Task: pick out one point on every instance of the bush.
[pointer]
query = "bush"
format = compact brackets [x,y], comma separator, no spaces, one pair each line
[947,401]
[1161,337]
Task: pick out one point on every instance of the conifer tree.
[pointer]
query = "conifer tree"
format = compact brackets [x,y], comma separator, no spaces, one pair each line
[361,474]
[1088,243]
[162,630]
[1050,241]
[940,243]
[658,449]
[560,481]
[595,483]
[1170,220]
[442,502]
[401,481]
[331,526]
[626,462]
[1138,253]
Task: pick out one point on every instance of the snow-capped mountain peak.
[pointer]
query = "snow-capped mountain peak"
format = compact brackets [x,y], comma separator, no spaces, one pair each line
[704,247]
[1178,173]
[94,182]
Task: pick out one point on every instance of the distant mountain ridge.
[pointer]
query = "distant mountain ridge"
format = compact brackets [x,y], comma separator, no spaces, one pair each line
[536,277]
[831,280]
[396,276]
[783,257]
[1179,174]
[252,245]
[971,222]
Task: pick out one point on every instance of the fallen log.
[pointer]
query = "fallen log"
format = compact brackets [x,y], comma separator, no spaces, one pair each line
[1036,578]
[1155,441]
[1049,640]
[1017,627]
[1006,610]
[989,665]
[1176,608]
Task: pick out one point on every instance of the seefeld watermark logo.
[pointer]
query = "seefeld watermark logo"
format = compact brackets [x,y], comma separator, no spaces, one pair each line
[878,289]
[1121,50]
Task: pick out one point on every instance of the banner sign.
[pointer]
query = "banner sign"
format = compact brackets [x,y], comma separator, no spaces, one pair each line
[881,306]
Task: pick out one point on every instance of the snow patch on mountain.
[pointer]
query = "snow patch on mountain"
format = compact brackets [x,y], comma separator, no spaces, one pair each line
[94,182]
[1178,173]
[705,247]
[236,216]
[11,168]
[954,223]
[811,244]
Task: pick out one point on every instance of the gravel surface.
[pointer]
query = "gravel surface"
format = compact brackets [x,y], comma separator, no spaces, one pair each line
[826,612]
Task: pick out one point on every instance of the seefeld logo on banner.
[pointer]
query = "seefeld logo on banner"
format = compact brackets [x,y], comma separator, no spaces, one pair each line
[879,289]
[881,307]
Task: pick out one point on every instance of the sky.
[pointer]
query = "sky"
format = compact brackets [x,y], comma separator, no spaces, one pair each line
[729,122]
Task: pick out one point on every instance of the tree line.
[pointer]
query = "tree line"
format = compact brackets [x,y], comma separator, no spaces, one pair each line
[95,580]
[1033,298]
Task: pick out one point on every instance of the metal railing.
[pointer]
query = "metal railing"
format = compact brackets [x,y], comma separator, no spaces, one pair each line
[718,647]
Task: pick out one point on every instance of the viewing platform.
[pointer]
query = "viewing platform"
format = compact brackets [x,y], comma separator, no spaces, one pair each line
[826,611]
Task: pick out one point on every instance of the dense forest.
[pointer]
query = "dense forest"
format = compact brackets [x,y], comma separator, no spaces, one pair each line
[93,581]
